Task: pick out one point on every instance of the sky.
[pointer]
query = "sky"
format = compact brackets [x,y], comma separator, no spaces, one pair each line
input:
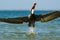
[26,4]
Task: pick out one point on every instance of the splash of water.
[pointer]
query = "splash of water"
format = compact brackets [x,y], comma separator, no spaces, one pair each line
[31,30]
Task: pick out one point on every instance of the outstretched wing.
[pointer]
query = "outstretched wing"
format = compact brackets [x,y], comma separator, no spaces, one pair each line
[48,17]
[17,20]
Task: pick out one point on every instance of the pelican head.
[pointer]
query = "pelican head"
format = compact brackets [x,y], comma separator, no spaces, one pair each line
[34,3]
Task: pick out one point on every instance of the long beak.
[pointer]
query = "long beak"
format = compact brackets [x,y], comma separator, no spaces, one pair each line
[33,7]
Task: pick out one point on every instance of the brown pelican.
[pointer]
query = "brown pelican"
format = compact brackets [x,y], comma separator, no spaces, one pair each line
[32,18]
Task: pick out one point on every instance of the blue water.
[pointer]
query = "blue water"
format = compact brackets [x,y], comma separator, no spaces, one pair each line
[44,31]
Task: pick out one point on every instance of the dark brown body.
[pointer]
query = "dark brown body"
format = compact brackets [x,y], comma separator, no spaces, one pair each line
[32,20]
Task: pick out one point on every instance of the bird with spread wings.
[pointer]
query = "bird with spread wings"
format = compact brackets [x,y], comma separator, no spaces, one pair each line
[32,18]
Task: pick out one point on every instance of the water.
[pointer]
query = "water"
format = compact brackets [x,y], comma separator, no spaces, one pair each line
[44,31]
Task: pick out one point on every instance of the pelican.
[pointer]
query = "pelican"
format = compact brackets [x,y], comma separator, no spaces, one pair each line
[32,18]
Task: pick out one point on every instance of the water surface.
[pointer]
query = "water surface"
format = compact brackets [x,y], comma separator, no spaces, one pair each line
[44,31]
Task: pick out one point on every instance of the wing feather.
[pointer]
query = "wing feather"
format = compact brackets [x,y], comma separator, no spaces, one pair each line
[49,16]
[17,20]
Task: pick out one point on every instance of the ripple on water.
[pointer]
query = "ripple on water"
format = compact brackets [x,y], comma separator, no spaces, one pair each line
[24,36]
